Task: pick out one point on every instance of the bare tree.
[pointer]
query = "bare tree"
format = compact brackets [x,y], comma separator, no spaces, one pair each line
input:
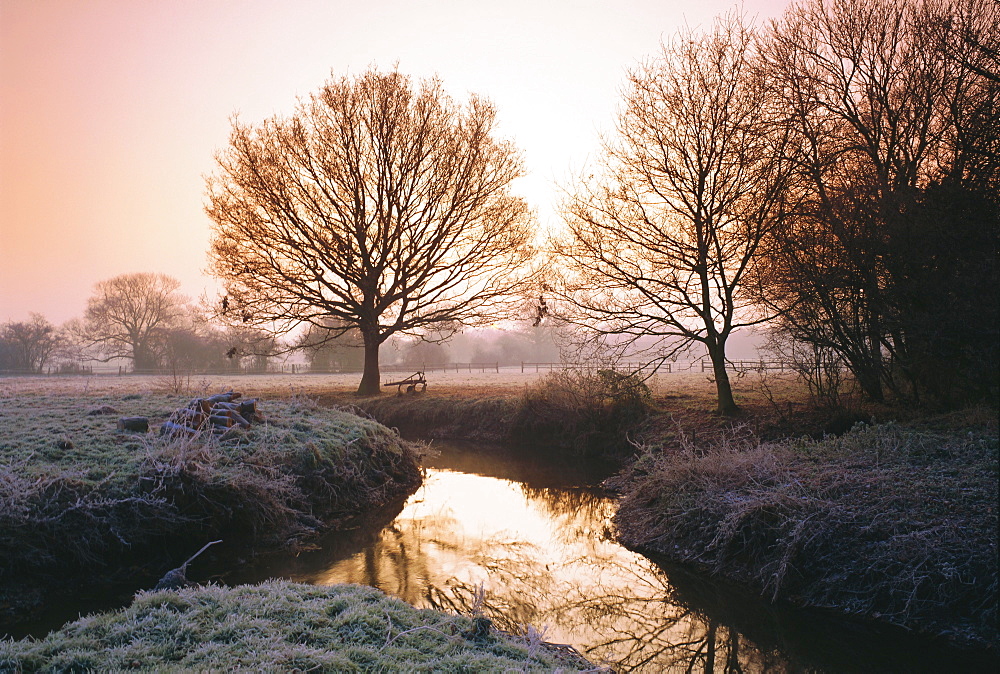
[28,345]
[128,316]
[884,100]
[377,205]
[664,244]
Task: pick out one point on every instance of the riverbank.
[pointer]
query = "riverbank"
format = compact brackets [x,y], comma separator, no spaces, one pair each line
[894,522]
[83,504]
[921,492]
[595,413]
[286,627]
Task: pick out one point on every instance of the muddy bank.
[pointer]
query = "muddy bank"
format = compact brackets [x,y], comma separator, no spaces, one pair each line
[429,415]
[85,506]
[594,413]
[888,523]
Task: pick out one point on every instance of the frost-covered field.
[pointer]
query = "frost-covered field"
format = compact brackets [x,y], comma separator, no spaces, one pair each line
[477,382]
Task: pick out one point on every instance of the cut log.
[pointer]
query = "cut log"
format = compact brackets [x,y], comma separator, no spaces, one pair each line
[215,413]
[186,417]
[169,428]
[134,424]
[221,421]
[204,406]
[248,409]
[227,397]
[237,419]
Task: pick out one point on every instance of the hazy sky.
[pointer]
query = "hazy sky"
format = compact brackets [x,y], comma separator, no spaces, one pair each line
[111,110]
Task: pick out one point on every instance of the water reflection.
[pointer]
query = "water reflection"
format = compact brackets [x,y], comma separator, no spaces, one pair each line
[539,542]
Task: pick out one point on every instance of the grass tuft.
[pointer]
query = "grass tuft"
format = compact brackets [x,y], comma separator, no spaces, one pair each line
[278,626]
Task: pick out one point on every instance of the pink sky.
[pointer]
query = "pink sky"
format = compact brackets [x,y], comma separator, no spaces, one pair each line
[111,110]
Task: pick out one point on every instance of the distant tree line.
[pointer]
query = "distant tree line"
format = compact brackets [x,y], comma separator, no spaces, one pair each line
[29,346]
[142,321]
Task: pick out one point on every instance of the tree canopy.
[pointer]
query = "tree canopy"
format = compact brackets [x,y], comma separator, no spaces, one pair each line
[129,316]
[664,242]
[378,205]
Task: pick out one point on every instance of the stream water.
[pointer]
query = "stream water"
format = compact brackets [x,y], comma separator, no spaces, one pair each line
[534,534]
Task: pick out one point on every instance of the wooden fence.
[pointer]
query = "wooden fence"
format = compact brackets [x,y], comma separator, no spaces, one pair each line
[669,367]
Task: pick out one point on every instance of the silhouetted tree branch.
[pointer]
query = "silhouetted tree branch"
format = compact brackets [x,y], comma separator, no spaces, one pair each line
[883,103]
[376,206]
[665,243]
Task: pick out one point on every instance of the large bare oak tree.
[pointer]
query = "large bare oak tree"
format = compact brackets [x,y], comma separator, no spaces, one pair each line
[378,206]
[663,242]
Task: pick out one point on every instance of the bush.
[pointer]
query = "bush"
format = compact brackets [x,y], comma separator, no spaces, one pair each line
[583,411]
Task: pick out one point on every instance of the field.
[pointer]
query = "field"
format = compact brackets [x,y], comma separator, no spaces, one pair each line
[880,513]
[476,383]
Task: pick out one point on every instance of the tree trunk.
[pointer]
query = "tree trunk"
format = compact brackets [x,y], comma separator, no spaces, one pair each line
[868,379]
[370,380]
[727,405]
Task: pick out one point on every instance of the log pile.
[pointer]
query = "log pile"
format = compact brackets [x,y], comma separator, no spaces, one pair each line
[218,414]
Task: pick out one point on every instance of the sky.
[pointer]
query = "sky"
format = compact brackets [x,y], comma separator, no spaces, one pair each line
[111,111]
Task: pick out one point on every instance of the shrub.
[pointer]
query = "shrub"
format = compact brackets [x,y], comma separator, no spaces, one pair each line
[584,411]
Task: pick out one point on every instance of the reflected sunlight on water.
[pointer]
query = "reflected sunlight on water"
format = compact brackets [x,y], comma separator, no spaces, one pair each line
[543,557]
[538,539]
[543,553]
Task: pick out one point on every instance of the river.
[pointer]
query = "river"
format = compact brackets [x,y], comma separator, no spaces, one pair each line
[527,540]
